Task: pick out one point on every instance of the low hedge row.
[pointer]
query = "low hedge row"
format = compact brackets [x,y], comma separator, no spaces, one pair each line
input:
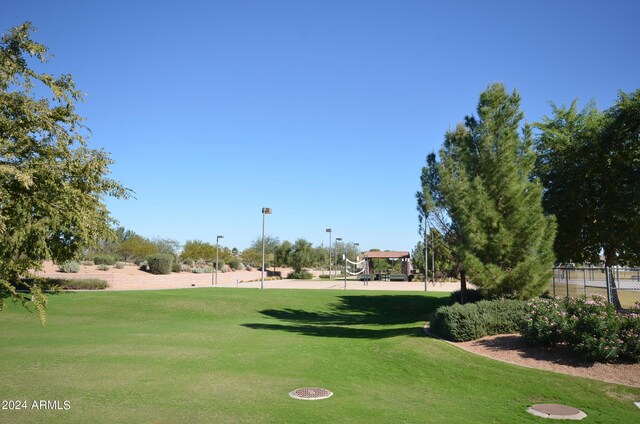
[472,321]
[80,284]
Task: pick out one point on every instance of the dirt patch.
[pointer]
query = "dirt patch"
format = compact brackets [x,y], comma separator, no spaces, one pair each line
[514,349]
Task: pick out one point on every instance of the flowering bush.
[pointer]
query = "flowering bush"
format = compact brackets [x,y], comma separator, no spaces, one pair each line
[630,331]
[588,324]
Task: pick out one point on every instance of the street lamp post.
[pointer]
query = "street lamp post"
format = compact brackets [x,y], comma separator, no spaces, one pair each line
[328,230]
[217,249]
[265,211]
[336,255]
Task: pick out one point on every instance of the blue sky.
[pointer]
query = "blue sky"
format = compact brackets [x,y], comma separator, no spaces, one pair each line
[323,111]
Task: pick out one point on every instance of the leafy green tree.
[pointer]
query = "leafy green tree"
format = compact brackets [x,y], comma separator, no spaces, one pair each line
[252,257]
[301,256]
[283,253]
[166,245]
[136,248]
[588,162]
[270,245]
[483,179]
[443,252]
[51,183]
[198,250]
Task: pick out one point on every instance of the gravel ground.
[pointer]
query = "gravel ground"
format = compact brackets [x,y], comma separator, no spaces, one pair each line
[512,348]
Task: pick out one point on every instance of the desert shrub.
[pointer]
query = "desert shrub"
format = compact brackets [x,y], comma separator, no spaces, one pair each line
[120,265]
[235,263]
[176,267]
[143,266]
[103,267]
[70,267]
[300,275]
[80,284]
[197,270]
[160,263]
[248,268]
[104,260]
[185,268]
[87,263]
[225,268]
[188,262]
[208,270]
[475,320]
[588,325]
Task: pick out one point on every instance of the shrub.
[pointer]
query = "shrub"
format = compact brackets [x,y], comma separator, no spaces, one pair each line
[160,263]
[472,296]
[475,320]
[103,267]
[235,263]
[120,265]
[185,268]
[248,268]
[104,260]
[630,331]
[87,263]
[188,262]
[80,284]
[143,266]
[300,275]
[225,268]
[208,270]
[458,322]
[589,325]
[197,270]
[176,267]
[70,267]
[324,276]
[596,328]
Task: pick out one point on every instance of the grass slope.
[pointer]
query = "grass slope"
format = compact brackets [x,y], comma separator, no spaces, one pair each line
[232,356]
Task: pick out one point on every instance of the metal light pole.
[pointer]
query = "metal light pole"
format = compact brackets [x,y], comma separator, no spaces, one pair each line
[217,249]
[336,255]
[426,255]
[328,230]
[265,211]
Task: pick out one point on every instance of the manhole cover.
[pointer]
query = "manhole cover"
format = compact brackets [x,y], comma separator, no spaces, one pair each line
[556,411]
[310,393]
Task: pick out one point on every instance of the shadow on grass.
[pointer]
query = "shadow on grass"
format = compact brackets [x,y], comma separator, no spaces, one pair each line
[361,317]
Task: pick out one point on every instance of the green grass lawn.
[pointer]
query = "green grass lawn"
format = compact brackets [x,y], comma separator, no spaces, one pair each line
[233,355]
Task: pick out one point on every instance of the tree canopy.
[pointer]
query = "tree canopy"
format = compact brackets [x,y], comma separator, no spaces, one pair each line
[51,183]
[482,183]
[589,164]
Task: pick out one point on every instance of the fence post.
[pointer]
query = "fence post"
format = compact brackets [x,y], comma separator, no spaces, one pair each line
[567,280]
[584,280]
[608,280]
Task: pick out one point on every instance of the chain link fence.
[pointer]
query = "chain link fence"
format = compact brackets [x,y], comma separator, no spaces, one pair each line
[620,286]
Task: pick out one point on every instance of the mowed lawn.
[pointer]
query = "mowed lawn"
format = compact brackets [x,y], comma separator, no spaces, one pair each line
[233,355]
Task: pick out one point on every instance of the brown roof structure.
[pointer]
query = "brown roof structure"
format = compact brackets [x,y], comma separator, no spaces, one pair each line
[386,255]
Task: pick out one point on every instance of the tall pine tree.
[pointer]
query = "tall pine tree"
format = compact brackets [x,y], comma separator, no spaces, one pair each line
[506,241]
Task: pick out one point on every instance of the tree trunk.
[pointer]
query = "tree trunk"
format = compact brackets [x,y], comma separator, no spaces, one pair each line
[463,287]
